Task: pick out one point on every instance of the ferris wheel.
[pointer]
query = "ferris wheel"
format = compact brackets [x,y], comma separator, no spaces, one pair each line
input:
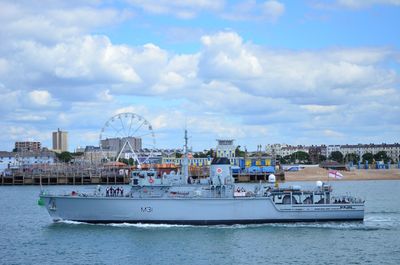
[127,135]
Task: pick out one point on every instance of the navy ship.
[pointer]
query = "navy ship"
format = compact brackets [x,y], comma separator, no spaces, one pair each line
[176,198]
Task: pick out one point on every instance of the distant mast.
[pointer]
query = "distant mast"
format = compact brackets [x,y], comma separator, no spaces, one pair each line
[185,158]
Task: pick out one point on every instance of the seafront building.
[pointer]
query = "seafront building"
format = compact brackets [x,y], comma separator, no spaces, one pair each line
[116,144]
[284,149]
[19,159]
[288,150]
[392,150]
[60,141]
[274,149]
[94,155]
[225,148]
[28,146]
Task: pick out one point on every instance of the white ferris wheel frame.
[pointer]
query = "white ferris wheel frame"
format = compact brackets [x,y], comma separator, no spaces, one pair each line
[123,133]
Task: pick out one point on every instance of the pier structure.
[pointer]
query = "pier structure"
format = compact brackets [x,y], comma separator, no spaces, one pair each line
[66,174]
[114,173]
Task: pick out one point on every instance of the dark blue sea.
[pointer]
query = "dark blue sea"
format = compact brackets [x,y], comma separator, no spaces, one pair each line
[28,236]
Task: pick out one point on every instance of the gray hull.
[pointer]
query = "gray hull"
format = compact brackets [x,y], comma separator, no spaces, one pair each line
[194,210]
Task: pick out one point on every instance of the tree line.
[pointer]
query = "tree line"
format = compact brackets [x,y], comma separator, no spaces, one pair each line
[298,157]
[301,157]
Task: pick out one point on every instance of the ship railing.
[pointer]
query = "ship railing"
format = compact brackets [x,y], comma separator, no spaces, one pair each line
[146,195]
[74,193]
[346,199]
[178,194]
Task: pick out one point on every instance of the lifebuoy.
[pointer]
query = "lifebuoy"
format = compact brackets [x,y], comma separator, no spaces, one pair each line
[151,180]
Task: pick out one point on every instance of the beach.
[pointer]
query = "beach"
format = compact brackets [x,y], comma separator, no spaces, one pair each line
[317,173]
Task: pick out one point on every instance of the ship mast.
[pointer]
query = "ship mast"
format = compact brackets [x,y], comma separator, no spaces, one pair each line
[185,158]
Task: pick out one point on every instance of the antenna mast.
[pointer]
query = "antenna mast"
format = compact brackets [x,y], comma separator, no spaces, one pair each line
[185,158]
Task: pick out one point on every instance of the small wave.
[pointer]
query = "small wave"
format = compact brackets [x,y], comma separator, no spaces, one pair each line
[382,212]
[141,225]
[138,225]
[68,222]
[382,221]
[330,225]
[370,223]
[379,219]
[234,226]
[312,225]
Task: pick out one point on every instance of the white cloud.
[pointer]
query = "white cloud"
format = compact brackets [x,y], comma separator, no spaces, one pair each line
[317,77]
[3,67]
[140,109]
[273,9]
[181,9]
[26,133]
[226,56]
[362,55]
[88,138]
[356,4]
[42,98]
[124,70]
[104,95]
[319,108]
[269,10]
[353,4]
[58,21]
[29,117]
[332,133]
[92,58]
[229,87]
[379,92]
[9,100]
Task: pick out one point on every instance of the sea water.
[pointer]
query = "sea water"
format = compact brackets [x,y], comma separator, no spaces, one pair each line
[28,235]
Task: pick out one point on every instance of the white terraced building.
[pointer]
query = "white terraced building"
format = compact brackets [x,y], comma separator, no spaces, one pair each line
[17,159]
[392,150]
[288,150]
[332,148]
[284,149]
[275,149]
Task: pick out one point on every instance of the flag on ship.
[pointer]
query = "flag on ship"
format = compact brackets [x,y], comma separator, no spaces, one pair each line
[335,174]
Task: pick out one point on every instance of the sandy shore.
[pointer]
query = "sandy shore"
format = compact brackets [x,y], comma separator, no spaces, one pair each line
[313,174]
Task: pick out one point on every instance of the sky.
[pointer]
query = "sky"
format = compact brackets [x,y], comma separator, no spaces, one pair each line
[260,72]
